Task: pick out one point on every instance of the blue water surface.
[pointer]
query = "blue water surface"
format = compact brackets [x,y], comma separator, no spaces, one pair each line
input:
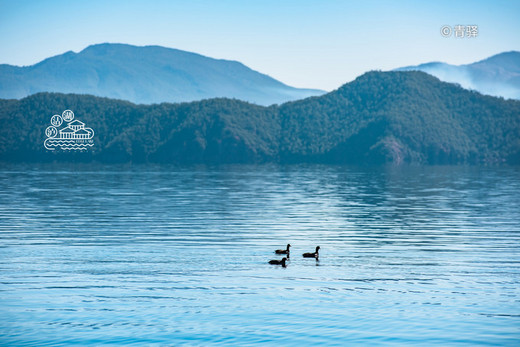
[164,255]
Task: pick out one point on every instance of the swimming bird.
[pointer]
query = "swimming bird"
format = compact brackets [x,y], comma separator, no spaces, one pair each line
[278,262]
[312,255]
[283,251]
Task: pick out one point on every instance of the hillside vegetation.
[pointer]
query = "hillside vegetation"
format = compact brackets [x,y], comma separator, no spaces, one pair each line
[381,117]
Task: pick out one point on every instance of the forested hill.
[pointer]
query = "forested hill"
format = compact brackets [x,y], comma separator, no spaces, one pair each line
[380,117]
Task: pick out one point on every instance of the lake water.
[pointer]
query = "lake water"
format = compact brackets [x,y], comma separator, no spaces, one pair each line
[165,255]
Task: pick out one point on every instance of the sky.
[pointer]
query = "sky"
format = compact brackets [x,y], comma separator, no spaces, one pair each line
[304,43]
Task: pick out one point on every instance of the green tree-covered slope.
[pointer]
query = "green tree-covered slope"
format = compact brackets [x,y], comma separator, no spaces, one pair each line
[380,117]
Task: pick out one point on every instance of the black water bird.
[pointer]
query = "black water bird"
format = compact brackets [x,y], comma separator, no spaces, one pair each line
[278,262]
[283,251]
[312,255]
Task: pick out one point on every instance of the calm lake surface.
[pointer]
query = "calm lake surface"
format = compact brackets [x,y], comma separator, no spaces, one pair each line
[170,256]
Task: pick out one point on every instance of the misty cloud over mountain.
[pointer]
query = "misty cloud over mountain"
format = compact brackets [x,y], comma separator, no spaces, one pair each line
[498,75]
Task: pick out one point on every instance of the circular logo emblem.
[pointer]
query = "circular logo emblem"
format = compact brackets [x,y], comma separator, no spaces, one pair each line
[51,131]
[56,120]
[67,115]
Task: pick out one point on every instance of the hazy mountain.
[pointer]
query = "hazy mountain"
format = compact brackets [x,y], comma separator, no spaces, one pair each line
[498,75]
[150,74]
[381,117]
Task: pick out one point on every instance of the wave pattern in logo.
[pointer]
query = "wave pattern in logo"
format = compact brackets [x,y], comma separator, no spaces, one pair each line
[69,145]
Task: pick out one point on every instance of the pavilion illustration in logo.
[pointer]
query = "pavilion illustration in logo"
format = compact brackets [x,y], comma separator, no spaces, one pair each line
[72,136]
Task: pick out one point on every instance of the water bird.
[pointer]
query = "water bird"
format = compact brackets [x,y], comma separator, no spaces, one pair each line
[278,262]
[312,255]
[283,251]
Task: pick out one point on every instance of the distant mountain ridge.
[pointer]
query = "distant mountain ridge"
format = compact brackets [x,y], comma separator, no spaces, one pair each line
[149,74]
[498,75]
[381,117]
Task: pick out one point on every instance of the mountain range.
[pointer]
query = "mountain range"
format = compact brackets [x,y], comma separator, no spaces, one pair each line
[381,117]
[498,75]
[145,75]
[154,74]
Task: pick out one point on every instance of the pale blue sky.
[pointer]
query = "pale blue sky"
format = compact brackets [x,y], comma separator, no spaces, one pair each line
[304,43]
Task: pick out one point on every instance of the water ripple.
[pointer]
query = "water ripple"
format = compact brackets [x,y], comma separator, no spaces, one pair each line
[178,256]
